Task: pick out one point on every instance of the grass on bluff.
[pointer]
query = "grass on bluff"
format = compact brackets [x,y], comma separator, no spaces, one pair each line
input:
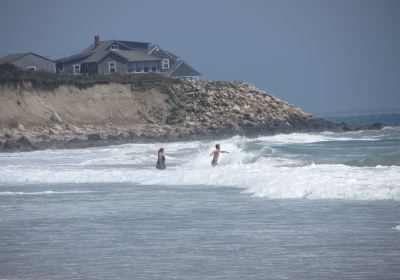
[12,75]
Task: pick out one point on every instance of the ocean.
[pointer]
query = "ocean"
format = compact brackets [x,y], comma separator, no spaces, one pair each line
[386,118]
[290,206]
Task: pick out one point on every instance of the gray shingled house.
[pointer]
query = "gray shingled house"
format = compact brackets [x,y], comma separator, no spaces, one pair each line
[122,57]
[29,61]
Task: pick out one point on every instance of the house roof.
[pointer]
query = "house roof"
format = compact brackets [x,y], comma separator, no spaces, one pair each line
[135,45]
[10,58]
[81,55]
[183,69]
[156,50]
[131,55]
[133,51]
[137,52]
[96,56]
[135,55]
[105,44]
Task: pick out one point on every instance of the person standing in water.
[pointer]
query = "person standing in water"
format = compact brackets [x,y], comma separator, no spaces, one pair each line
[215,155]
[161,160]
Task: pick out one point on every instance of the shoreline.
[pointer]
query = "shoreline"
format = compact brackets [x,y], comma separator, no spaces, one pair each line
[23,140]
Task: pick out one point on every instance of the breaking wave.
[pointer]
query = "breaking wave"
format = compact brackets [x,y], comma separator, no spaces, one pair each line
[359,166]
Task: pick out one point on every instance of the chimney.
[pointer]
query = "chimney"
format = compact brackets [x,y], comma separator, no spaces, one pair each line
[96,41]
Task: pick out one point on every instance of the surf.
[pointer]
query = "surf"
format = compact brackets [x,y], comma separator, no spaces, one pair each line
[296,166]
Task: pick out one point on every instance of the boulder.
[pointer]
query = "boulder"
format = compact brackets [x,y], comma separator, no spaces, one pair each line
[25,142]
[58,127]
[94,136]
[10,145]
[53,131]
[22,144]
[116,137]
[8,135]
[55,117]
[21,127]
[375,126]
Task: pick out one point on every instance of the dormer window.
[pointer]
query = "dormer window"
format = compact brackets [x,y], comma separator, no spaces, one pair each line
[114,47]
[31,68]
[165,63]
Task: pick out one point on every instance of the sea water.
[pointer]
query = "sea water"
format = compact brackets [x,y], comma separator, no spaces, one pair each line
[290,206]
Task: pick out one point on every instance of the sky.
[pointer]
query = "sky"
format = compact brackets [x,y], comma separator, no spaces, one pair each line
[323,56]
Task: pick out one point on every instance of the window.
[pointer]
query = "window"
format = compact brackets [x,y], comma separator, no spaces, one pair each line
[131,67]
[150,66]
[31,68]
[147,67]
[114,47]
[112,67]
[77,69]
[139,67]
[165,63]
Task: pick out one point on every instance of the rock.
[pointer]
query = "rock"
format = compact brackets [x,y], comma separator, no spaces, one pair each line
[213,126]
[116,137]
[10,145]
[250,116]
[207,114]
[22,144]
[73,128]
[53,131]
[44,136]
[8,135]
[94,136]
[21,127]
[375,126]
[58,127]
[24,141]
[55,118]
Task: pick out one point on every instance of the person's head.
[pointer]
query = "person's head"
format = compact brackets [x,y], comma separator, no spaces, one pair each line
[161,150]
[218,147]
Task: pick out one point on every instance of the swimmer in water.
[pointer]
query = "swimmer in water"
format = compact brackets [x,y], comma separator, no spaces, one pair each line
[161,160]
[215,155]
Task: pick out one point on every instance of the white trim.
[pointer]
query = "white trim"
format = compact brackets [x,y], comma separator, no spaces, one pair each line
[31,67]
[73,69]
[164,51]
[109,66]
[156,47]
[167,63]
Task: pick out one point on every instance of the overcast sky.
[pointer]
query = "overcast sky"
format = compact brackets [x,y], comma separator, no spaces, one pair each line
[320,55]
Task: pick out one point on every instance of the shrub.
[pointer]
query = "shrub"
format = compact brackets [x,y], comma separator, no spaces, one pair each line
[10,74]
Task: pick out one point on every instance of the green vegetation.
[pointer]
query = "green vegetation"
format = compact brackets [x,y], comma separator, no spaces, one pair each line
[10,74]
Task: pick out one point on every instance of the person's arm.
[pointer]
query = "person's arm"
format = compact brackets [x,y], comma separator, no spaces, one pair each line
[225,152]
[211,153]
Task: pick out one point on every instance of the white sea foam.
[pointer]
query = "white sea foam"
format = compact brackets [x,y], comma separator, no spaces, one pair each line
[189,164]
[397,228]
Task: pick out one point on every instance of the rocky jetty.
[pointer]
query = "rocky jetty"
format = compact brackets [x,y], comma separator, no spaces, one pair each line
[69,116]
